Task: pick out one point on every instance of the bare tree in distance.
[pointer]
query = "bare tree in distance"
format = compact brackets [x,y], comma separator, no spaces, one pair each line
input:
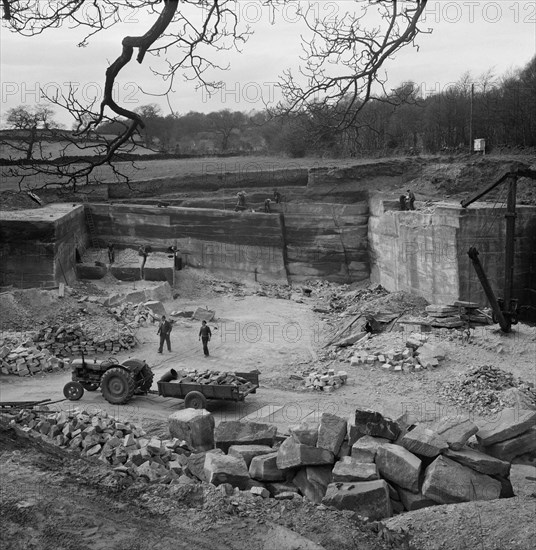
[184,42]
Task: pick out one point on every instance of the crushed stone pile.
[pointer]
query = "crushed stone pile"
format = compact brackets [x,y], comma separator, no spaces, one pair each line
[67,340]
[212,378]
[27,360]
[488,389]
[132,315]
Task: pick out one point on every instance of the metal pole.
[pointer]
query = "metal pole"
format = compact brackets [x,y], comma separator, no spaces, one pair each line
[471,120]
[509,249]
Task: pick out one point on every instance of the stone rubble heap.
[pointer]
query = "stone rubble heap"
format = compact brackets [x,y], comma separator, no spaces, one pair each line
[134,315]
[368,464]
[28,360]
[418,354]
[488,389]
[212,378]
[68,340]
[326,380]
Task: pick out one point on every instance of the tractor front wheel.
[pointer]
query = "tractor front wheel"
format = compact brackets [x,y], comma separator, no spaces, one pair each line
[118,386]
[73,391]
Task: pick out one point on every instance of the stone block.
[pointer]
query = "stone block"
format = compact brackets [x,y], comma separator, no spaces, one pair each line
[195,463]
[313,481]
[447,482]
[260,491]
[349,469]
[367,498]
[509,424]
[479,462]
[292,454]
[455,430]
[264,468]
[195,426]
[305,433]
[373,423]
[398,465]
[331,432]
[234,432]
[366,447]
[156,307]
[507,450]
[249,452]
[423,441]
[414,501]
[279,488]
[221,468]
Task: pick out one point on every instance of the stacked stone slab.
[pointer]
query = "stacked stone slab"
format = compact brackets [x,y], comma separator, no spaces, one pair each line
[69,340]
[326,380]
[418,354]
[28,361]
[392,467]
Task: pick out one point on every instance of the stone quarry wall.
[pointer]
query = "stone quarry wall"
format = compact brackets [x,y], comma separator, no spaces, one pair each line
[328,241]
[248,244]
[426,252]
[38,246]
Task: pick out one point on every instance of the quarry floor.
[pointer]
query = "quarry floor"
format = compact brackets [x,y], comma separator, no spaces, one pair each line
[280,338]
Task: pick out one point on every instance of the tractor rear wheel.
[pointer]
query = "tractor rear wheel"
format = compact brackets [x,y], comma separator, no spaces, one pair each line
[73,391]
[118,386]
[195,400]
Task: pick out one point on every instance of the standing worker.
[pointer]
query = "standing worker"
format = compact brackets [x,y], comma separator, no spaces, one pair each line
[410,200]
[111,253]
[403,205]
[267,206]
[164,330]
[277,196]
[143,252]
[205,335]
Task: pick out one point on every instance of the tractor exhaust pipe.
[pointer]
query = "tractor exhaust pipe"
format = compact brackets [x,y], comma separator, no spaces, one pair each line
[169,376]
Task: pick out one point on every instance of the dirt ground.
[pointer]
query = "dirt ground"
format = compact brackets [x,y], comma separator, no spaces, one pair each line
[282,337]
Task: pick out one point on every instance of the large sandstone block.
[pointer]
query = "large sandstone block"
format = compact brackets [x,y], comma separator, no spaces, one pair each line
[331,433]
[305,433]
[479,462]
[278,488]
[455,430]
[292,454]
[226,469]
[234,432]
[373,423]
[509,424]
[366,447]
[349,469]
[313,481]
[519,445]
[156,307]
[447,482]
[367,498]
[264,468]
[249,452]
[195,426]
[424,441]
[414,501]
[195,463]
[399,466]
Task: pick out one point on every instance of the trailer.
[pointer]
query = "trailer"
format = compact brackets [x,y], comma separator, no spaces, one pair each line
[196,395]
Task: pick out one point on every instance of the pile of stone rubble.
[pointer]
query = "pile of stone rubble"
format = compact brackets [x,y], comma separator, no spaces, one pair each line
[326,380]
[369,464]
[418,354]
[68,340]
[211,378]
[28,360]
[134,315]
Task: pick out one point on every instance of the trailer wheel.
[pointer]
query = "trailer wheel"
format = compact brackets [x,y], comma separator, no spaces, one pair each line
[73,391]
[90,386]
[118,386]
[195,400]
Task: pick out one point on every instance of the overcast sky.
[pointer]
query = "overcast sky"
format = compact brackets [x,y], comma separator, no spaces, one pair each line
[467,35]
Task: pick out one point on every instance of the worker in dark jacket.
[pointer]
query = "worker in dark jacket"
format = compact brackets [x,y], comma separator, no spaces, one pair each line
[164,330]
[143,252]
[267,208]
[204,336]
[410,199]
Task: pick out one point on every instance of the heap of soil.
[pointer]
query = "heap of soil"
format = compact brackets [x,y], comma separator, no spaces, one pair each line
[13,200]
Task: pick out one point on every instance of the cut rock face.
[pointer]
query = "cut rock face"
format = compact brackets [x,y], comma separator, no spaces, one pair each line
[331,433]
[447,482]
[368,498]
[479,462]
[349,469]
[398,465]
[373,423]
[366,447]
[264,468]
[234,432]
[507,450]
[292,454]
[424,441]
[509,424]
[305,433]
[249,452]
[455,430]
[195,426]
[220,469]
[313,481]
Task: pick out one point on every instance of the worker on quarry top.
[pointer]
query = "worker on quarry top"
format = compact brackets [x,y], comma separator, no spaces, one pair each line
[240,201]
[143,252]
[267,206]
[111,253]
[277,196]
[410,200]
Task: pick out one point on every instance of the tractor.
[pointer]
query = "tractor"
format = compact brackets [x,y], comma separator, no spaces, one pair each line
[118,381]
